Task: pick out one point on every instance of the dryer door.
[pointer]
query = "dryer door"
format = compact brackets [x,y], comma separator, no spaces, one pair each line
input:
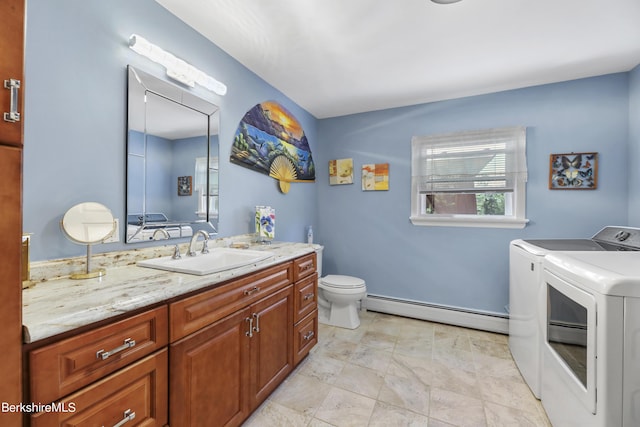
[571,339]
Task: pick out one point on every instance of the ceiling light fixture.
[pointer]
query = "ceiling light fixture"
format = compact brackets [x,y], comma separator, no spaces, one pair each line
[445,1]
[177,69]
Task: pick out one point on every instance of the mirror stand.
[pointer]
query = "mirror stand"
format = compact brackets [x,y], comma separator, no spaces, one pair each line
[88,274]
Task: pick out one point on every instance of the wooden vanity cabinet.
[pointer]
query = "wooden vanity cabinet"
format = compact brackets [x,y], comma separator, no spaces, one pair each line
[225,370]
[229,347]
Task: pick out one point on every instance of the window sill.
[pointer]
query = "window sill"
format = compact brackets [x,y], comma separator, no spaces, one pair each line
[468,221]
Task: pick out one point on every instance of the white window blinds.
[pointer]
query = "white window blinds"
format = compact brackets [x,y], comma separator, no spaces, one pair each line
[475,161]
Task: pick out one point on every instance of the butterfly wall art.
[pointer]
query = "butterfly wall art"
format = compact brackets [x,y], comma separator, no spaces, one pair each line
[573,171]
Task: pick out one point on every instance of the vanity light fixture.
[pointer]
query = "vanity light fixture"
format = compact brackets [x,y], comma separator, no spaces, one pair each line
[177,69]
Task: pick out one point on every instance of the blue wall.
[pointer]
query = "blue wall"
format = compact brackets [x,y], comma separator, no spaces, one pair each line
[368,234]
[634,147]
[75,119]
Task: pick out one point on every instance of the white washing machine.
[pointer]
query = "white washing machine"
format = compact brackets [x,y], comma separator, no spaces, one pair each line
[591,353]
[527,296]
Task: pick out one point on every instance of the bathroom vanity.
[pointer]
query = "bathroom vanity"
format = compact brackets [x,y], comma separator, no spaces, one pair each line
[161,348]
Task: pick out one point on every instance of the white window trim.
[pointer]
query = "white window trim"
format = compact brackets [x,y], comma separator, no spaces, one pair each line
[419,218]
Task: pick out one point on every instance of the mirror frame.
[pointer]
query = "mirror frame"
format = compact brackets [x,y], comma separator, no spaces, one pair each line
[142,226]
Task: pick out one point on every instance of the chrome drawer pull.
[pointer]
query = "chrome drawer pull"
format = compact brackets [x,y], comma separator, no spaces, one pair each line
[250,333]
[252,290]
[308,296]
[128,416]
[13,115]
[128,343]
[257,327]
[308,335]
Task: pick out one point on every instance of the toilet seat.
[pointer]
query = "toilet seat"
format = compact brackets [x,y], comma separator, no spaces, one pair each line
[338,281]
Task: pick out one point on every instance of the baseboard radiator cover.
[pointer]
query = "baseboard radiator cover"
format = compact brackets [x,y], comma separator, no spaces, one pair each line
[482,320]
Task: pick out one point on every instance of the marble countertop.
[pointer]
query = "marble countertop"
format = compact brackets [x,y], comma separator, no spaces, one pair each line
[55,306]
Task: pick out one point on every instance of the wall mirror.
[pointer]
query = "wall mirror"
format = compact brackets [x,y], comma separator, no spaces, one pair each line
[172,161]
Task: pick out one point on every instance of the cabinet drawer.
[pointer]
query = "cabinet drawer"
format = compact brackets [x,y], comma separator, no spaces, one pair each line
[138,393]
[304,266]
[63,367]
[198,311]
[305,297]
[305,336]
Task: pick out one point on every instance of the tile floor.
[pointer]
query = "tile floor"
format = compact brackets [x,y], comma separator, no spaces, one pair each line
[393,371]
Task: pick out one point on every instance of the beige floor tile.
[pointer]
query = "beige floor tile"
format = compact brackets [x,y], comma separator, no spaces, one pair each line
[294,394]
[391,416]
[408,393]
[323,368]
[457,409]
[345,409]
[490,348]
[502,416]
[273,414]
[372,358]
[379,340]
[360,380]
[337,348]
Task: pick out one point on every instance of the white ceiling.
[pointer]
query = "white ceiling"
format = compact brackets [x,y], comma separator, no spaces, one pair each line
[337,57]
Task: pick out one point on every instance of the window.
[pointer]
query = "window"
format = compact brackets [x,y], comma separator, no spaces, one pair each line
[200,186]
[472,179]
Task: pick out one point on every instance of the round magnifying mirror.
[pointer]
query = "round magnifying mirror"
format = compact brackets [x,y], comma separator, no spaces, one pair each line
[88,223]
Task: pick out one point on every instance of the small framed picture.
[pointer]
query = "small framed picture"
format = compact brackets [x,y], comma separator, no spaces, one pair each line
[573,171]
[340,171]
[375,177]
[184,186]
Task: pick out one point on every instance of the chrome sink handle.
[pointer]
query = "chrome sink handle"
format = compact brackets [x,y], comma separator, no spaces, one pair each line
[176,252]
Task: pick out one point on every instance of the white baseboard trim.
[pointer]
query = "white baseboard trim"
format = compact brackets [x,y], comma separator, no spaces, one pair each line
[485,321]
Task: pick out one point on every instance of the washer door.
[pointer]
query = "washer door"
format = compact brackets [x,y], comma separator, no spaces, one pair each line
[571,338]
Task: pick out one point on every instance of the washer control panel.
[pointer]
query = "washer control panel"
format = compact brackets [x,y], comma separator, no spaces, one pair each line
[625,238]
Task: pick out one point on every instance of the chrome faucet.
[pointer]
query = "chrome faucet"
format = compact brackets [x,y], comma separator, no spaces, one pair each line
[161,231]
[194,239]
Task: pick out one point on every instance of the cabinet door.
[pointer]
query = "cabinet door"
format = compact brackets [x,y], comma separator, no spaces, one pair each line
[10,281]
[210,375]
[11,69]
[271,343]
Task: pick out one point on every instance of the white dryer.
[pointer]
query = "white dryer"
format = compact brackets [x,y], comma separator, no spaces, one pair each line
[591,353]
[527,295]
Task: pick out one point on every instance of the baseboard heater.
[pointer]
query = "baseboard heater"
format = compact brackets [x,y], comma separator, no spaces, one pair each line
[483,320]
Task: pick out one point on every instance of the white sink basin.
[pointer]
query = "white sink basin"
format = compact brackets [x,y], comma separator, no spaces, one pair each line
[218,259]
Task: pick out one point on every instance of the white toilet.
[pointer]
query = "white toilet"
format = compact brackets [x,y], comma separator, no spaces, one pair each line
[339,298]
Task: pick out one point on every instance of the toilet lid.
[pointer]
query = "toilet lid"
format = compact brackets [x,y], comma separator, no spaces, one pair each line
[339,281]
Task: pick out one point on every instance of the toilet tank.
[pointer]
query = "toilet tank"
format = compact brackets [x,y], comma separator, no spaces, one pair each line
[319,250]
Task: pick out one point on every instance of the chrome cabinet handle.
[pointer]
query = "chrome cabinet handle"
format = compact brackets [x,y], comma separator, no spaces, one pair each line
[250,332]
[128,343]
[13,115]
[128,416]
[308,335]
[251,291]
[257,327]
[308,296]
